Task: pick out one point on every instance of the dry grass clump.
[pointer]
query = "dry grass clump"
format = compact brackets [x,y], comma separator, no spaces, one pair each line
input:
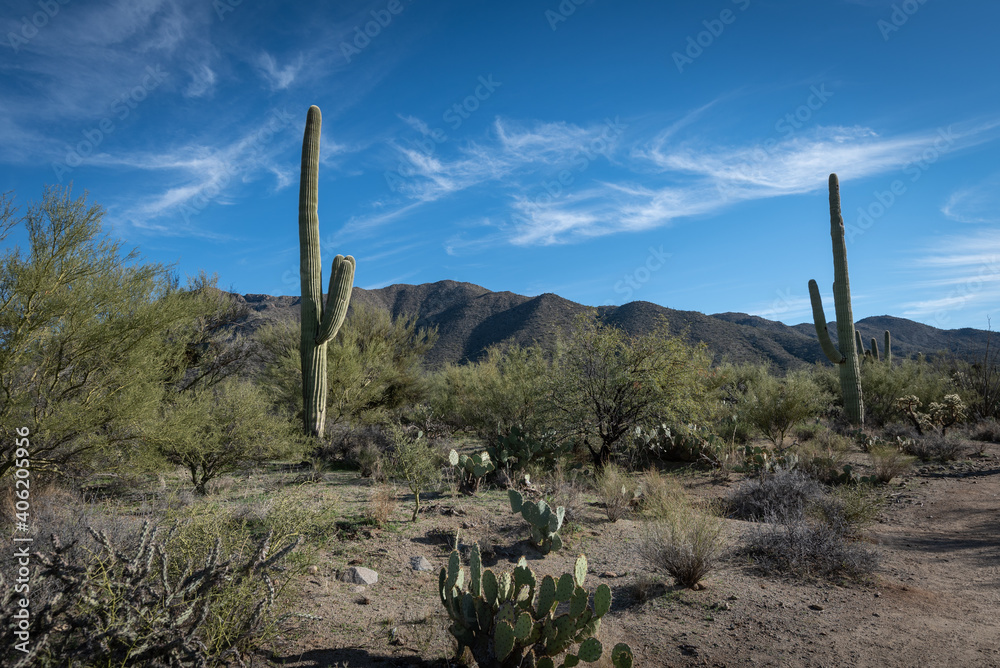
[659,494]
[616,490]
[936,447]
[381,504]
[889,462]
[687,543]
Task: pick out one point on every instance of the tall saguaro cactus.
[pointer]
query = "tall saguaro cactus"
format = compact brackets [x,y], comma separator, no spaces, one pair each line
[319,323]
[846,357]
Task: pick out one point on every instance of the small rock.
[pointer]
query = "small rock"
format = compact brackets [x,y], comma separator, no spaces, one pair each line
[360,575]
[420,564]
[608,574]
[360,589]
[313,570]
[816,606]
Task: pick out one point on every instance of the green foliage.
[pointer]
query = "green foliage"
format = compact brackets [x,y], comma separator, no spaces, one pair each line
[544,522]
[319,321]
[517,449]
[152,606]
[609,382]
[471,469]
[617,491]
[774,405]
[94,340]
[885,383]
[417,461]
[511,620]
[218,430]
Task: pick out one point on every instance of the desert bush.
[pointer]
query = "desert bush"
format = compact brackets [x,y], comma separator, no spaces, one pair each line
[371,461]
[219,430]
[660,494]
[133,608]
[889,462]
[610,382]
[94,339]
[687,543]
[986,430]
[935,447]
[883,384]
[566,490]
[774,405]
[782,495]
[808,547]
[417,461]
[616,490]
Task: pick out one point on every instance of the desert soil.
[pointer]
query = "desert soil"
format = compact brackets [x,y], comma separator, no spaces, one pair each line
[935,600]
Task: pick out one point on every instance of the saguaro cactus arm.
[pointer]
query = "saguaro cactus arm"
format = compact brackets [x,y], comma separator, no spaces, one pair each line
[819,318]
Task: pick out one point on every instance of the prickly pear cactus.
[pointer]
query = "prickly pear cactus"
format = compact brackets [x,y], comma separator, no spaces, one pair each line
[471,470]
[511,620]
[545,523]
[848,356]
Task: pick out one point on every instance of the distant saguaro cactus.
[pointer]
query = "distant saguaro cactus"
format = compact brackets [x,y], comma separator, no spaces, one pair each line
[319,323]
[846,358]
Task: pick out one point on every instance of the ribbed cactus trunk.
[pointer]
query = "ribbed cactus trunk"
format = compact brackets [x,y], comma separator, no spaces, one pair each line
[319,323]
[846,357]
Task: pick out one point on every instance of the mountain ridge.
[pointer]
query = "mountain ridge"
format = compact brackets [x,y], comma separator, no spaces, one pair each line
[471,318]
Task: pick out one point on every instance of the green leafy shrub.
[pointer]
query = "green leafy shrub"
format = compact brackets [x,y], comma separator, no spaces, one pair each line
[511,620]
[417,461]
[889,462]
[774,405]
[219,430]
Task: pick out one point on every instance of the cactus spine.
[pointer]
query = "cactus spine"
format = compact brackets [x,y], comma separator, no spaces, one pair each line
[846,357]
[319,323]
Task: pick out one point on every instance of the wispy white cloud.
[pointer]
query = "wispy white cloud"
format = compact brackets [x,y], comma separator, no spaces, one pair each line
[978,203]
[202,81]
[964,273]
[279,78]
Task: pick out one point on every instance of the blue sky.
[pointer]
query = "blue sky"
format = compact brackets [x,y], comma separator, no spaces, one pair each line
[676,153]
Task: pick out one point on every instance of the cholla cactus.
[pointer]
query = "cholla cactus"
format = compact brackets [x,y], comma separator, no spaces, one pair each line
[511,620]
[545,523]
[471,469]
[938,415]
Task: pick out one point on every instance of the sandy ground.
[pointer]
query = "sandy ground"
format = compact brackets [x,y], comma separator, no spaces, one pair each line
[935,600]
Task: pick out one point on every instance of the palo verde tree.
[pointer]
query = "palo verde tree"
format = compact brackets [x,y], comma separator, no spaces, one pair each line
[609,382]
[83,356]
